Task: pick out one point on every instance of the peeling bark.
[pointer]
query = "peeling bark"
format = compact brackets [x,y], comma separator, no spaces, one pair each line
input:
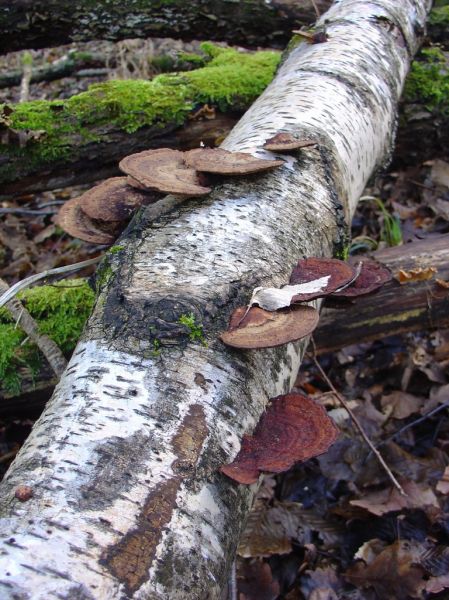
[109,441]
[39,23]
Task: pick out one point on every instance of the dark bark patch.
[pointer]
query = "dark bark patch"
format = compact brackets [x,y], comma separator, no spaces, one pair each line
[131,558]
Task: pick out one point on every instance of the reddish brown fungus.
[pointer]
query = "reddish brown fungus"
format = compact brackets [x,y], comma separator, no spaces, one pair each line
[163,170]
[373,275]
[114,200]
[309,269]
[257,328]
[282,142]
[294,428]
[220,161]
[72,219]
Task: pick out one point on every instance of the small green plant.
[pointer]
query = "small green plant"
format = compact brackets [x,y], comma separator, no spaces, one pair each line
[116,249]
[196,333]
[390,232]
[156,351]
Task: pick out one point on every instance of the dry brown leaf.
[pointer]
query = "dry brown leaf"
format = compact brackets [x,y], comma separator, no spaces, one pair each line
[257,583]
[414,275]
[400,405]
[387,500]
[442,283]
[435,585]
[392,573]
[440,173]
[443,484]
[262,536]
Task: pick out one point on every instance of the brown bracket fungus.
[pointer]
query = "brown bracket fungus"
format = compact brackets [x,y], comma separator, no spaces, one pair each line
[223,162]
[338,272]
[294,428]
[284,142]
[372,276]
[259,328]
[163,170]
[114,200]
[72,219]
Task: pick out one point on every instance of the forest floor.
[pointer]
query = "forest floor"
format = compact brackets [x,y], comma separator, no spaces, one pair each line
[333,527]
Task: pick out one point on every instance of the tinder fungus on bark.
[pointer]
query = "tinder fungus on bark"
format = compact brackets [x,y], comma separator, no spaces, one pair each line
[373,275]
[309,269]
[114,200]
[163,170]
[257,328]
[72,219]
[293,428]
[220,161]
[284,142]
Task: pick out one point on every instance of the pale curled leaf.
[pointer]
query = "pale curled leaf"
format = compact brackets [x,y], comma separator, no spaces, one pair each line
[275,298]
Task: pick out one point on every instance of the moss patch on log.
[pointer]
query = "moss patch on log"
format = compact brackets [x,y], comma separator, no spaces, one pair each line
[60,311]
[428,81]
[229,79]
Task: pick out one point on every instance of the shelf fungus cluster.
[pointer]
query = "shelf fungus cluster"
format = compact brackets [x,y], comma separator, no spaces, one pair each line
[100,214]
[294,428]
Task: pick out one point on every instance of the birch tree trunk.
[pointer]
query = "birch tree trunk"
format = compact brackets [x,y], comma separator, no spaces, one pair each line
[127,498]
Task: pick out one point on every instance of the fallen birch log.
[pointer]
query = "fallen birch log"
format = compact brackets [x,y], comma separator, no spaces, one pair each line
[127,500]
[419,305]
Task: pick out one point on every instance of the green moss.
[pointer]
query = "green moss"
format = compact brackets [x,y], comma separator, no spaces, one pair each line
[60,311]
[196,333]
[428,81]
[439,16]
[230,78]
[116,249]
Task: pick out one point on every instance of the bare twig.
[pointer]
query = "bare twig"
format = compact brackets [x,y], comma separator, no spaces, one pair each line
[29,281]
[315,7]
[413,423]
[46,345]
[356,422]
[27,64]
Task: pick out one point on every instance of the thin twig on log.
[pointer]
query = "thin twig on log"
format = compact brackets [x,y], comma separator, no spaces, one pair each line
[46,345]
[356,422]
[29,281]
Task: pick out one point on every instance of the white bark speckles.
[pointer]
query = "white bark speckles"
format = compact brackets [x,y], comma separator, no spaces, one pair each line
[124,463]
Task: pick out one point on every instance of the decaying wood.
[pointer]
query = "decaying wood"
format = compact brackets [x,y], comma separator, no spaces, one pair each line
[124,462]
[55,22]
[395,308]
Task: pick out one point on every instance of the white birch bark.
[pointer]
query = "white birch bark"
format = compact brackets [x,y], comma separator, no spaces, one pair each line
[128,500]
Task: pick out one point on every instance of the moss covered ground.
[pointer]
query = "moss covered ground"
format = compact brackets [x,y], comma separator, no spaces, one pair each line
[60,311]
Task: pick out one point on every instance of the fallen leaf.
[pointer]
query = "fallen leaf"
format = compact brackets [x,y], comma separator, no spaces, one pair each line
[387,500]
[401,405]
[443,484]
[435,585]
[414,275]
[440,173]
[442,283]
[276,298]
[392,573]
[294,428]
[257,583]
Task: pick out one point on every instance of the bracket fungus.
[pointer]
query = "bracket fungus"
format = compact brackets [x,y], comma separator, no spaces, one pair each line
[294,428]
[257,328]
[307,270]
[284,142]
[223,162]
[72,219]
[114,200]
[372,276]
[163,170]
